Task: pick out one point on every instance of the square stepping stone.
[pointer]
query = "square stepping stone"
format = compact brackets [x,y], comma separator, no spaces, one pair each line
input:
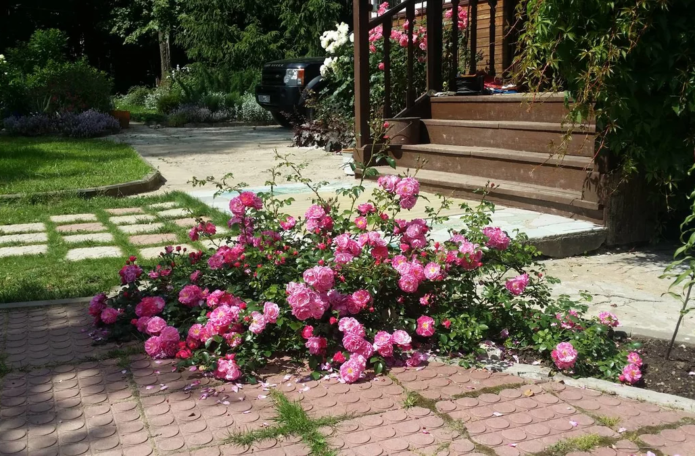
[91,253]
[31,238]
[149,239]
[213,243]
[171,213]
[23,228]
[89,227]
[93,237]
[23,250]
[125,210]
[140,228]
[153,252]
[167,205]
[188,222]
[132,219]
[69,218]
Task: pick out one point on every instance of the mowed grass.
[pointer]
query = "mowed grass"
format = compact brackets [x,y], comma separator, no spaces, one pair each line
[51,276]
[30,165]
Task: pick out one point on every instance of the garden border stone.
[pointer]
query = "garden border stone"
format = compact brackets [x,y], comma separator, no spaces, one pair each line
[149,183]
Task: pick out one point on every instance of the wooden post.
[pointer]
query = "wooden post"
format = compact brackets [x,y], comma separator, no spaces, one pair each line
[493,11]
[410,88]
[473,27]
[454,44]
[434,45]
[387,69]
[360,13]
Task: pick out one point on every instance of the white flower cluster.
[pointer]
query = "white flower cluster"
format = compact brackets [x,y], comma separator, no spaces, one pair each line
[331,40]
[2,59]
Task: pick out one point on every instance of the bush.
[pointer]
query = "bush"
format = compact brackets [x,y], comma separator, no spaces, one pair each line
[167,102]
[215,101]
[251,111]
[197,114]
[136,96]
[88,124]
[350,288]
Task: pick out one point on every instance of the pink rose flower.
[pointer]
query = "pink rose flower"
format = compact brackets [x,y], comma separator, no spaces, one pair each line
[407,187]
[288,223]
[190,295]
[257,322]
[316,345]
[497,239]
[141,325]
[407,202]
[361,299]
[320,278]
[155,325]
[195,331]
[314,212]
[388,183]
[353,342]
[227,369]
[351,370]
[383,343]
[401,338]
[425,326]
[631,374]
[149,306]
[349,325]
[153,347]
[224,315]
[564,355]
[129,273]
[607,318]
[416,359]
[408,283]
[517,285]
[271,311]
[97,304]
[634,358]
[361,223]
[366,208]
[433,271]
[109,315]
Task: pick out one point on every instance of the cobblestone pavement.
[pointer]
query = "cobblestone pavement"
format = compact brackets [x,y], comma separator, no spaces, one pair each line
[79,399]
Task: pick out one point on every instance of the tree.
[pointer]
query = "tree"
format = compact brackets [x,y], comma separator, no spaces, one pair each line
[137,19]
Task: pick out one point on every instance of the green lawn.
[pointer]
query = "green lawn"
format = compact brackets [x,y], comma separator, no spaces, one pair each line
[29,165]
[51,276]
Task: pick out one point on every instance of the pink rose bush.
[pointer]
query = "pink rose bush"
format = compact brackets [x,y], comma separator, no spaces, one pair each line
[353,291]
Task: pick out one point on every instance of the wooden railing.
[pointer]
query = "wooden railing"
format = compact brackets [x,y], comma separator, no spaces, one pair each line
[433,10]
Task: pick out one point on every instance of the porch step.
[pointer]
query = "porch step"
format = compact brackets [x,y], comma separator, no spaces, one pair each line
[526,196]
[519,135]
[568,173]
[538,107]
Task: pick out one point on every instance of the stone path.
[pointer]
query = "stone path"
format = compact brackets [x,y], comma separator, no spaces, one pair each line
[145,229]
[74,398]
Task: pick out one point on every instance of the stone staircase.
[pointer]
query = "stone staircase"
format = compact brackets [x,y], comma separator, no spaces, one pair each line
[471,141]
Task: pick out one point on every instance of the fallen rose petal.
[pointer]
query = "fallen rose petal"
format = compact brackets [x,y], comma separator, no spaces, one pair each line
[536,363]
[260,396]
[497,413]
[512,445]
[574,423]
[621,430]
[149,387]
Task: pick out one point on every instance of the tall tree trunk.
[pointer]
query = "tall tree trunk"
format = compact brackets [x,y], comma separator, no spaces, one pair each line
[164,55]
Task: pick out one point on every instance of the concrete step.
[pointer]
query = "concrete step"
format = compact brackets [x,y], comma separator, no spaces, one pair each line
[509,193]
[546,137]
[569,172]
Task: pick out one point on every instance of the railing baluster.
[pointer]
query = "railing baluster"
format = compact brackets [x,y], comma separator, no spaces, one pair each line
[454,43]
[410,91]
[434,45]
[387,69]
[493,11]
[473,24]
[360,12]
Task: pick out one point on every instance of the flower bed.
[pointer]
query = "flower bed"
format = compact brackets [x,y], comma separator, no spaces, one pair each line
[349,289]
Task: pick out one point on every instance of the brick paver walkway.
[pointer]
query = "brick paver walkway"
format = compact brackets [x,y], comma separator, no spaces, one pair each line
[66,395]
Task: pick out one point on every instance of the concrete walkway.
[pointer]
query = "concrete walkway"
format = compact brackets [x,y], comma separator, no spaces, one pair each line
[73,398]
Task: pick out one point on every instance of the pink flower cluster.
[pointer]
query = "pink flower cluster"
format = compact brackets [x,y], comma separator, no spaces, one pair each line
[412,273]
[245,200]
[227,369]
[101,311]
[129,273]
[164,342]
[497,239]
[609,319]
[462,16]
[468,256]
[320,278]
[374,240]
[317,220]
[567,320]
[305,302]
[517,285]
[407,189]
[207,228]
[226,256]
[192,296]
[564,355]
[413,233]
[631,372]
[346,248]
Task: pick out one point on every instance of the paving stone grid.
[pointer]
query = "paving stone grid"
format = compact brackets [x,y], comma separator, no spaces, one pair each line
[67,395]
[143,226]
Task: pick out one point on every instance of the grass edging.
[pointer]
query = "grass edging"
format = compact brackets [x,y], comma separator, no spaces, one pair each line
[149,183]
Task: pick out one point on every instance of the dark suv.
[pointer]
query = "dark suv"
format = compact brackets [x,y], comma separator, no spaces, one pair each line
[285,86]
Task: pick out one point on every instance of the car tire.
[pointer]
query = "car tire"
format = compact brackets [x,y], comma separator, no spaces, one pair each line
[282,119]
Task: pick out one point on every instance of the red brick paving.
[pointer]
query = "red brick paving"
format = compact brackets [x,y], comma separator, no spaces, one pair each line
[148,407]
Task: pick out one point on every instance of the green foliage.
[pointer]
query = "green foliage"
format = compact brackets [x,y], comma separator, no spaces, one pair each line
[37,77]
[135,19]
[628,64]
[168,102]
